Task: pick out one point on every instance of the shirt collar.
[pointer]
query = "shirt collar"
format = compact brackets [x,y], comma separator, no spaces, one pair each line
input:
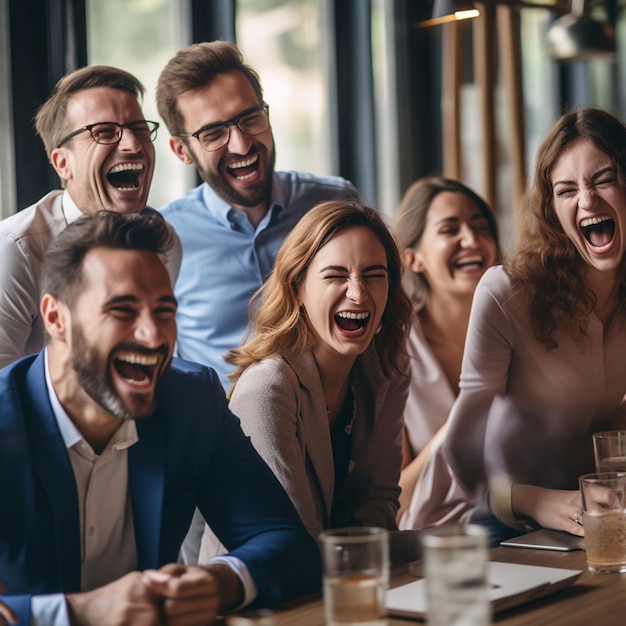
[70,209]
[234,218]
[124,436]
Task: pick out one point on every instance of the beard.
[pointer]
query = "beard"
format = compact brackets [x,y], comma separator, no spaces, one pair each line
[94,376]
[255,195]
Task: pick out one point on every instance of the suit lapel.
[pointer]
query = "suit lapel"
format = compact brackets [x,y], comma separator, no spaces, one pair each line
[146,477]
[53,468]
[316,427]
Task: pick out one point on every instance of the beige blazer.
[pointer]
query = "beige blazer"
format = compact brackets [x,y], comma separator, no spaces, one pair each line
[281,406]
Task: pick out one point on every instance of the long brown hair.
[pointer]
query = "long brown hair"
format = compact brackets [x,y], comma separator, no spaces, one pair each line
[278,325]
[546,260]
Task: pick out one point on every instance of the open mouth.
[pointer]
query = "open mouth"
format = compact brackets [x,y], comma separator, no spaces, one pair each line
[125,176]
[598,231]
[245,169]
[136,369]
[351,322]
[476,261]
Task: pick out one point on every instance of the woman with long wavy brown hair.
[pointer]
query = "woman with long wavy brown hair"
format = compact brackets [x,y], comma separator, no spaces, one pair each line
[545,359]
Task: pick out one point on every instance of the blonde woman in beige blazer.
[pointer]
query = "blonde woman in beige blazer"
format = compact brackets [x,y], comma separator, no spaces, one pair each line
[321,386]
[280,401]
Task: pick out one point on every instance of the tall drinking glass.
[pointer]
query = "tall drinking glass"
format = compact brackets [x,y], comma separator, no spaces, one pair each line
[356,575]
[455,568]
[609,449]
[604,520]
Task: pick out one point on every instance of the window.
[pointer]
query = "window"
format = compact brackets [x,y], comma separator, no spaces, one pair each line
[8,198]
[140,36]
[286,42]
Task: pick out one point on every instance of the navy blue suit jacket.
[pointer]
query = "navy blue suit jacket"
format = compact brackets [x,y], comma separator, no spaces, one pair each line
[191,452]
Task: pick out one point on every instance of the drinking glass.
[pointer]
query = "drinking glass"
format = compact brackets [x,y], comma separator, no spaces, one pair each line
[356,575]
[604,520]
[455,568]
[609,449]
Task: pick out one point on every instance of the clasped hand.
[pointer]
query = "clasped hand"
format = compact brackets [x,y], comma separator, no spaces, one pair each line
[174,595]
[7,616]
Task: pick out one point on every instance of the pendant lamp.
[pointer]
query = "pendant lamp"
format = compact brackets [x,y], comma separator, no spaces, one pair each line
[578,37]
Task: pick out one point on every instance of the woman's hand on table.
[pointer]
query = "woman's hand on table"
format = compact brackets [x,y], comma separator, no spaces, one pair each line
[559,509]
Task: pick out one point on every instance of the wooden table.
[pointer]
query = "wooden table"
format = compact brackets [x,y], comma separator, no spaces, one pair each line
[593,600]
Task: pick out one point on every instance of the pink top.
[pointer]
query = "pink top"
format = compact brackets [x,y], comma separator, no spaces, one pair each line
[430,395]
[554,399]
[437,497]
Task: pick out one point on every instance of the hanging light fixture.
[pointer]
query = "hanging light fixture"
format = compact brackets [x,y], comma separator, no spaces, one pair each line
[577,36]
[451,11]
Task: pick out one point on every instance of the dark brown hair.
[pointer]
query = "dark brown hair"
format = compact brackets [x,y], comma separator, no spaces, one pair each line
[62,265]
[194,67]
[411,217]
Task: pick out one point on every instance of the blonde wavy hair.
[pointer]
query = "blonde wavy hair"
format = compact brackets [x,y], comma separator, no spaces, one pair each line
[278,325]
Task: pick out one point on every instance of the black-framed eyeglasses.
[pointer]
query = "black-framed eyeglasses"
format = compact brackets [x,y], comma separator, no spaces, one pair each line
[251,122]
[109,133]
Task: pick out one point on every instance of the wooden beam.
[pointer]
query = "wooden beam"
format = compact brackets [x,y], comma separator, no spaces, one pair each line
[484,70]
[450,99]
[509,41]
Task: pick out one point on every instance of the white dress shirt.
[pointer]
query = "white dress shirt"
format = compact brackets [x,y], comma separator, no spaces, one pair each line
[108,548]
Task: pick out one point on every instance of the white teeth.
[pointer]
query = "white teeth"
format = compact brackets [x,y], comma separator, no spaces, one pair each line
[126,167]
[246,163]
[353,316]
[139,383]
[590,221]
[470,260]
[146,360]
[139,359]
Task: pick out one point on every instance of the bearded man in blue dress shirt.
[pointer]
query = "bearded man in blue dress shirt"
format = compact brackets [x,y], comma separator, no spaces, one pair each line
[232,225]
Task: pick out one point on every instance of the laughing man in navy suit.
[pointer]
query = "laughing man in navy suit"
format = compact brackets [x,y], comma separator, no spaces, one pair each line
[107,445]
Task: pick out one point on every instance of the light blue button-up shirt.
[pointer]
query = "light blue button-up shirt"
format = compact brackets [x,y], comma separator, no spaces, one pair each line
[225,259]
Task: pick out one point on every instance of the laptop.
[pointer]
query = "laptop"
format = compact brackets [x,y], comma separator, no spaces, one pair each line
[546,539]
[510,584]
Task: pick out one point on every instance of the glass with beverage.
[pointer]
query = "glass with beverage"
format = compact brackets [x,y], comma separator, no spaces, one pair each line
[455,567]
[609,449]
[356,575]
[604,520]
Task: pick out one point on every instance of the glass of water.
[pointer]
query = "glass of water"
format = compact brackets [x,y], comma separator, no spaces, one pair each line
[455,567]
[356,575]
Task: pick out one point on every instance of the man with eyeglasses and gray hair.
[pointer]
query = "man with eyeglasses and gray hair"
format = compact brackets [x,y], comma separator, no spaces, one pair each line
[100,145]
[231,225]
